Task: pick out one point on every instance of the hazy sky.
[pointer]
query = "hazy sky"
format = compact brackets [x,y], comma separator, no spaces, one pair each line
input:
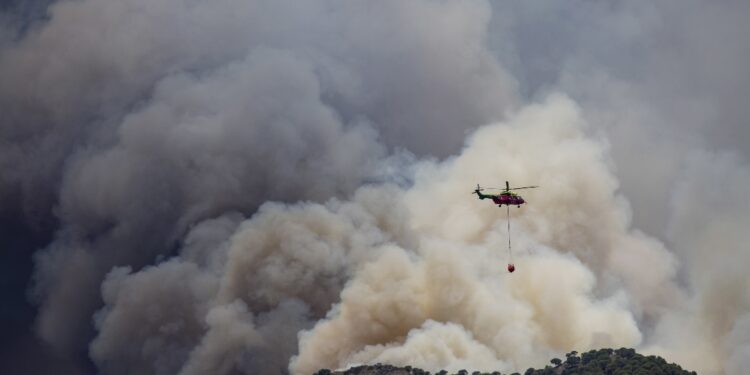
[278,186]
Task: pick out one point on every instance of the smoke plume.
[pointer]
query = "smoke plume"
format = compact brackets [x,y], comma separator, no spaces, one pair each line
[279,186]
[396,273]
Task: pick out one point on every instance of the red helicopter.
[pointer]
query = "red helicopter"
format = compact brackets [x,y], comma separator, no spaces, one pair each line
[505,197]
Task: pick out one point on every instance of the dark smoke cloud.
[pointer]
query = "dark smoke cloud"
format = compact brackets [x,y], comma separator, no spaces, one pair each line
[138,140]
[126,123]
[662,79]
[665,83]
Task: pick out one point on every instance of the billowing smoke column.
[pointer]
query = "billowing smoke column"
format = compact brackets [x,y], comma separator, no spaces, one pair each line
[142,118]
[278,186]
[406,276]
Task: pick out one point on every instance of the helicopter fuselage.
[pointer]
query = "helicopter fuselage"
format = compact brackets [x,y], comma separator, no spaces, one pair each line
[508,199]
[505,197]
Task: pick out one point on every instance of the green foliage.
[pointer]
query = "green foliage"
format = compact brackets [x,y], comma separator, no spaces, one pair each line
[623,361]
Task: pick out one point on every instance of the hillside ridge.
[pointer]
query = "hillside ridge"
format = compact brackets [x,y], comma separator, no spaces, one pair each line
[623,361]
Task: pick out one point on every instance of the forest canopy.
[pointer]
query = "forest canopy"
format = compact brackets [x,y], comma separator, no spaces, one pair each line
[623,361]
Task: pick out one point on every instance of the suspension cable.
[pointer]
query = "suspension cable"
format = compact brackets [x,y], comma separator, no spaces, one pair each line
[510,253]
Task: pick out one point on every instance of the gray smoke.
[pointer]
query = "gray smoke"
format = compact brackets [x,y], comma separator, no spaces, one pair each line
[279,186]
[665,85]
[392,276]
[137,119]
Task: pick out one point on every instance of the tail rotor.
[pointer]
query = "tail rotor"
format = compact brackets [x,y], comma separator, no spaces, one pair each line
[478,190]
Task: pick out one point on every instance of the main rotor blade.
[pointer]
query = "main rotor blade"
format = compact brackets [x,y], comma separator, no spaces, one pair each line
[524,187]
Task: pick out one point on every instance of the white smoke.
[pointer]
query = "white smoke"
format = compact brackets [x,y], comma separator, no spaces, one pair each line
[279,186]
[709,213]
[416,275]
[136,119]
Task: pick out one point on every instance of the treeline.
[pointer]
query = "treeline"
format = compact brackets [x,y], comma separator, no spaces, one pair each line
[621,361]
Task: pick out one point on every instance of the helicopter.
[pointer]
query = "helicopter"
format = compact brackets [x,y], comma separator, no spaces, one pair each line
[505,197]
